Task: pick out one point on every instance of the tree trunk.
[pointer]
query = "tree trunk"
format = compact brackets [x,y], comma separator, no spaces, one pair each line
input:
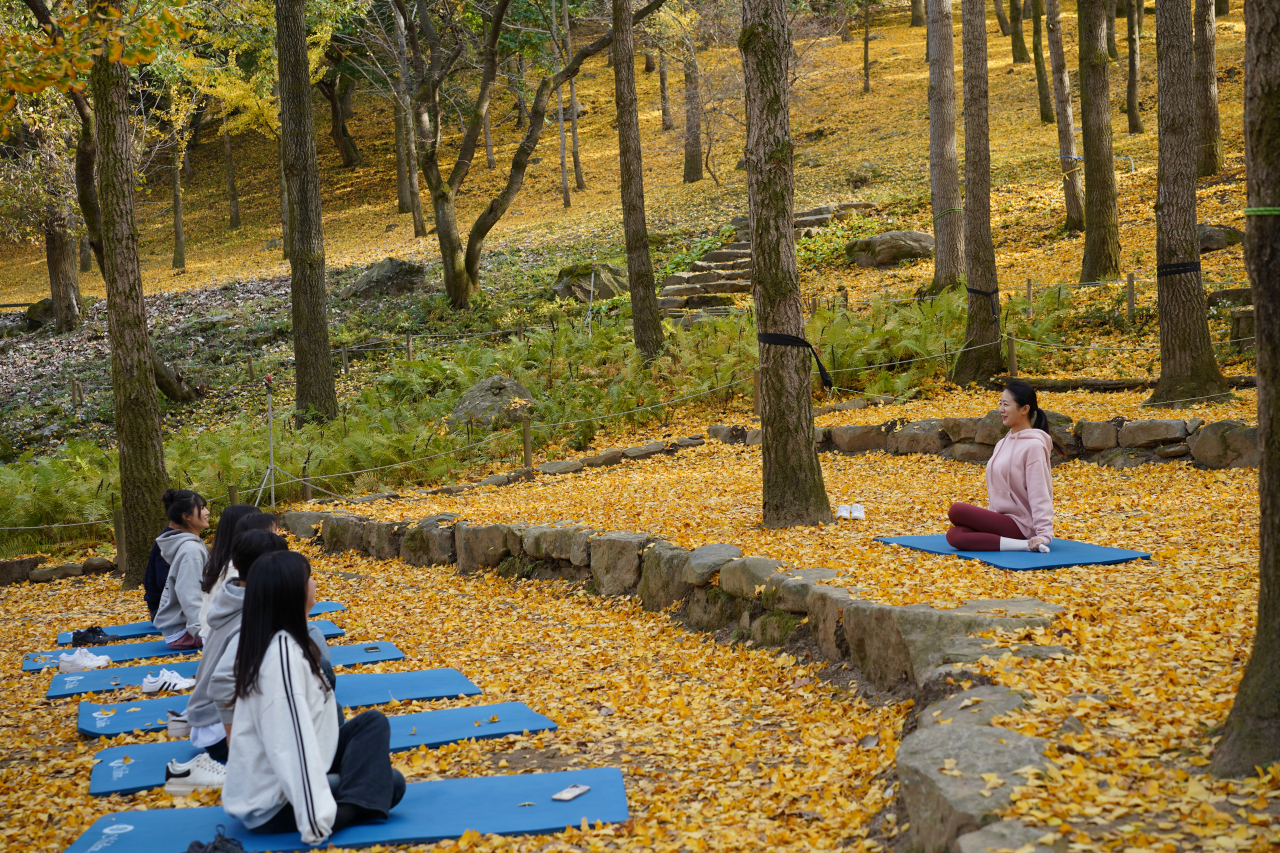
[980,356]
[944,165]
[1133,94]
[233,195]
[170,381]
[517,93]
[644,304]
[564,159]
[917,13]
[692,120]
[1222,8]
[64,281]
[866,48]
[1037,47]
[179,237]
[86,254]
[1188,368]
[286,223]
[1015,32]
[133,385]
[1251,736]
[1102,216]
[1001,18]
[579,181]
[793,490]
[664,94]
[338,92]
[488,144]
[1209,151]
[1142,14]
[649,65]
[1072,183]
[402,166]
[315,397]
[404,95]
[1112,50]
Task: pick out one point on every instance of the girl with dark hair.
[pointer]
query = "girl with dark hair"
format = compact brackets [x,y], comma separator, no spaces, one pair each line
[157,569]
[1019,483]
[287,740]
[178,614]
[218,569]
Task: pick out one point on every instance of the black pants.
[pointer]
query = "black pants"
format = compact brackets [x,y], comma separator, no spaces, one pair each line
[368,786]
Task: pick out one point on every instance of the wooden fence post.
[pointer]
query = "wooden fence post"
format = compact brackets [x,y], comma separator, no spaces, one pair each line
[344,359]
[527,434]
[1013,356]
[233,495]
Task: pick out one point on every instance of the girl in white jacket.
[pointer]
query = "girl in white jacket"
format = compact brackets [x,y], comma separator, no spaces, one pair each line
[287,738]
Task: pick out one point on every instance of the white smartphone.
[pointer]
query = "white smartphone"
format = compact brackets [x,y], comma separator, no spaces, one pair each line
[570,793]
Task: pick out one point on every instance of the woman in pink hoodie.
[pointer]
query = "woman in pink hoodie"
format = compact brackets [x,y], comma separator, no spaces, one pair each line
[1019,484]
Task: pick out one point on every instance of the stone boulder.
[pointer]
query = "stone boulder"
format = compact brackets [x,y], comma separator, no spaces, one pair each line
[747,577]
[492,401]
[383,539]
[1097,436]
[704,562]
[789,590]
[54,573]
[662,581]
[1225,444]
[430,542]
[728,434]
[40,313]
[1230,296]
[1215,237]
[615,561]
[970,451]
[889,248]
[388,277]
[343,533]
[774,627]
[825,606]
[990,428]
[926,436]
[483,546]
[859,438]
[98,566]
[303,525]
[710,609]
[590,282]
[13,325]
[562,466]
[960,429]
[17,571]
[1152,432]
[644,451]
[611,456]
[570,543]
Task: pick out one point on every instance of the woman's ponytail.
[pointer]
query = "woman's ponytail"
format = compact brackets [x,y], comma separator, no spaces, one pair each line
[1040,421]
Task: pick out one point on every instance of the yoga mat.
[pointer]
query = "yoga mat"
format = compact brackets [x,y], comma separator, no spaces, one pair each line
[140,651]
[136,630]
[115,678]
[358,690]
[140,767]
[1062,553]
[429,812]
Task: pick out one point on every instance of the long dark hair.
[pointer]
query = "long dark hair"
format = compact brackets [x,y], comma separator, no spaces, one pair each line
[228,527]
[180,502]
[1024,395]
[258,521]
[249,545]
[275,600]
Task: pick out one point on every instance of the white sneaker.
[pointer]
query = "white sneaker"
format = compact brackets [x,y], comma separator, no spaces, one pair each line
[80,660]
[200,772]
[166,680]
[178,725]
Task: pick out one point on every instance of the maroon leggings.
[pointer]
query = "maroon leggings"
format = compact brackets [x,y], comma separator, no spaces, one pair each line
[978,529]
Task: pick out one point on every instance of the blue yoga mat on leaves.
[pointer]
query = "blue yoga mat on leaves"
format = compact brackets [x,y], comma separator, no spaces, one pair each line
[140,767]
[140,651]
[1062,553]
[137,630]
[353,691]
[430,811]
[116,678]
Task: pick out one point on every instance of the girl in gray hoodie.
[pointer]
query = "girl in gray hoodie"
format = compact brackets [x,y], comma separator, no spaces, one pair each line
[178,615]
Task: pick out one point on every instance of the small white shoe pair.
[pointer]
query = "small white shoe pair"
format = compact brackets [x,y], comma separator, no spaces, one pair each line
[166,680]
[80,660]
[199,773]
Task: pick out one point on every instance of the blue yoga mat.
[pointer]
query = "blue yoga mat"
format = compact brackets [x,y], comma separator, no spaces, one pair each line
[137,630]
[430,811]
[140,767]
[353,691]
[1062,553]
[140,651]
[66,684]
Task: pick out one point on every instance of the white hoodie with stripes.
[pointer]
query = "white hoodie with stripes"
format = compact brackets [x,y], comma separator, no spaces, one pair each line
[282,745]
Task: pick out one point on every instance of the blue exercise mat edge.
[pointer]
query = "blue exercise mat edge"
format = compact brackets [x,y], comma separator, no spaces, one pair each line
[1063,553]
[137,630]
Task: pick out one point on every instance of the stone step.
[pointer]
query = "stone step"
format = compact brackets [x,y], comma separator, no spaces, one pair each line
[728,286]
[744,246]
[671,303]
[722,266]
[856,205]
[812,221]
[801,233]
[681,290]
[820,210]
[727,255]
[709,300]
[678,278]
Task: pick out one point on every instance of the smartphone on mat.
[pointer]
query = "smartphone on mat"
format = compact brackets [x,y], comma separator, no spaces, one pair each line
[570,793]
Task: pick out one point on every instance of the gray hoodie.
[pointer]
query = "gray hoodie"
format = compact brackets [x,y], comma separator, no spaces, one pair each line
[223,631]
[179,607]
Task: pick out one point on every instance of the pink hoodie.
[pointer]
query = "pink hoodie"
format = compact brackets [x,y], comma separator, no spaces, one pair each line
[1019,482]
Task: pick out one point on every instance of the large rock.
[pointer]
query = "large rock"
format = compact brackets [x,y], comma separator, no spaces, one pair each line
[747,577]
[960,429]
[608,457]
[1153,432]
[859,438]
[561,466]
[388,277]
[491,402]
[990,428]
[1215,237]
[662,581]
[590,282]
[971,451]
[1007,835]
[13,325]
[1097,436]
[889,248]
[710,608]
[54,573]
[644,451]
[789,590]
[774,627]
[16,571]
[1230,296]
[825,606]
[343,533]
[39,313]
[704,562]
[430,542]
[382,539]
[303,525]
[615,561]
[926,436]
[728,434]
[483,546]
[570,543]
[1226,444]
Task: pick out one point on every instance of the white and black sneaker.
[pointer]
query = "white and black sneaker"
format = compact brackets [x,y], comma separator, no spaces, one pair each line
[178,725]
[199,773]
[166,680]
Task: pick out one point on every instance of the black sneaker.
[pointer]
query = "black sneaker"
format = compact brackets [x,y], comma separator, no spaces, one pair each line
[221,844]
[94,636]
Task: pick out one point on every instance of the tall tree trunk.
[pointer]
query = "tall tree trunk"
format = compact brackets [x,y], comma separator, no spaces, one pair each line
[179,236]
[315,395]
[86,254]
[1133,94]
[1209,151]
[1072,169]
[1142,14]
[579,180]
[64,280]
[286,219]
[403,204]
[233,195]
[644,304]
[564,159]
[517,93]
[980,358]
[133,383]
[866,48]
[917,13]
[404,95]
[1251,736]
[1102,216]
[1015,32]
[944,165]
[1001,18]
[1222,8]
[692,120]
[1037,47]
[793,490]
[664,94]
[1188,368]
[649,65]
[1112,50]
[338,92]
[488,144]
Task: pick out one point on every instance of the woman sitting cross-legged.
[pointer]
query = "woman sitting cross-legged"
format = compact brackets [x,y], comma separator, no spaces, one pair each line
[287,740]
[178,613]
[1019,484]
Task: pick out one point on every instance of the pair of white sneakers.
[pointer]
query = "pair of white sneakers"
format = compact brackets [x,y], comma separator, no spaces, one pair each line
[166,680]
[201,772]
[80,660]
